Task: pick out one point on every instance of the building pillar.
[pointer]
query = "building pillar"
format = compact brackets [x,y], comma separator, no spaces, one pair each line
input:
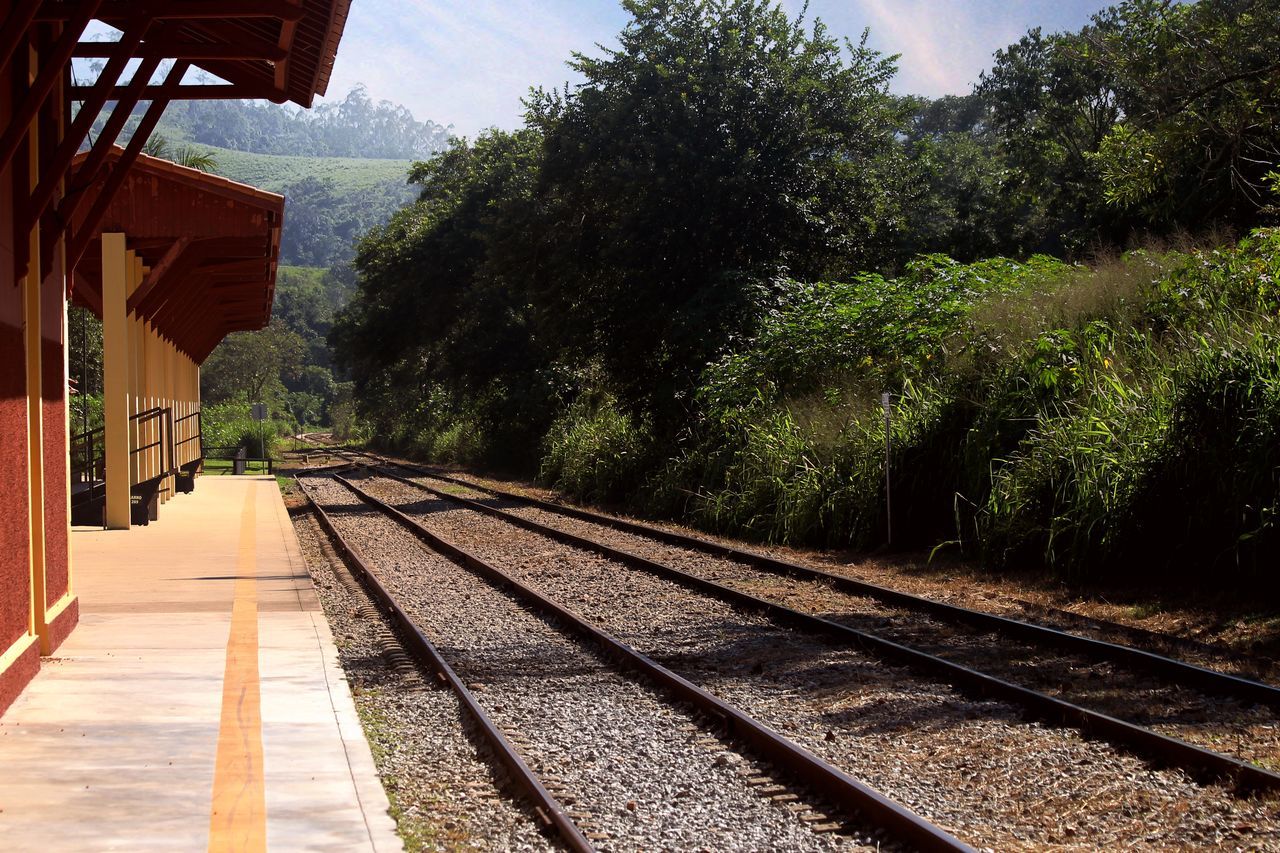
[116,390]
[33,334]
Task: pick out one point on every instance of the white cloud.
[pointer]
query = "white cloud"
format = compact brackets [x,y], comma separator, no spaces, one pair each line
[944,44]
[459,62]
[469,62]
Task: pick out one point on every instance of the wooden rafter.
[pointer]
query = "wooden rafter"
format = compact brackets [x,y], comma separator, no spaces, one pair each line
[60,10]
[126,160]
[287,31]
[15,28]
[158,302]
[169,265]
[83,291]
[51,70]
[243,51]
[219,271]
[188,315]
[88,171]
[83,124]
[198,92]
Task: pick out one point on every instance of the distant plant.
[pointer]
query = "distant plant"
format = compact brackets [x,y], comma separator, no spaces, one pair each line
[186,155]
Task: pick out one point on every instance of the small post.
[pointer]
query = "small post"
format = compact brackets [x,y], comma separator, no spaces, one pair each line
[887,402]
[260,415]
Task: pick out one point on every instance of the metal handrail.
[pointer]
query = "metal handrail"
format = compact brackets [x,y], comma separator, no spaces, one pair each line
[165,417]
[88,453]
[85,462]
[198,437]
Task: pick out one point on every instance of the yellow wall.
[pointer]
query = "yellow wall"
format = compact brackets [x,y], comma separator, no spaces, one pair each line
[142,371]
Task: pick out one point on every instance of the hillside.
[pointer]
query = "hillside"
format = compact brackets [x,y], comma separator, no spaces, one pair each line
[277,172]
[331,201]
[311,157]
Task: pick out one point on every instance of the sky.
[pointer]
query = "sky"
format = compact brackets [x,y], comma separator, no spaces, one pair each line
[468,63]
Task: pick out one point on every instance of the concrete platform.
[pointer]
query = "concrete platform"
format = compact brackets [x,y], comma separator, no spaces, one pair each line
[200,704]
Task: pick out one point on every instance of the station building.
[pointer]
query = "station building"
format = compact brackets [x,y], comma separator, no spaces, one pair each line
[171,259]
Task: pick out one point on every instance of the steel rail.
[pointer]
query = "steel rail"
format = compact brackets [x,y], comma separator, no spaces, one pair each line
[547,807]
[1188,674]
[1144,742]
[324,469]
[830,782]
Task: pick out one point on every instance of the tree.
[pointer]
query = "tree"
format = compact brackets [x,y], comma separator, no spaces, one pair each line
[720,145]
[1051,110]
[441,325]
[1157,116]
[1201,95]
[954,201]
[248,366]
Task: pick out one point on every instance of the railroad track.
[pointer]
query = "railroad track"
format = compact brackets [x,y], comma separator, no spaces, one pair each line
[323,457]
[778,794]
[663,607]
[946,640]
[1055,625]
[1189,674]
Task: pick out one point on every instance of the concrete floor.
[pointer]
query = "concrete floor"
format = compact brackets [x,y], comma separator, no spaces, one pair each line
[199,705]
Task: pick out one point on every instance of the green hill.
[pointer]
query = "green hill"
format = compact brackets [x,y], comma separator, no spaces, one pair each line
[343,165]
[278,173]
[331,201]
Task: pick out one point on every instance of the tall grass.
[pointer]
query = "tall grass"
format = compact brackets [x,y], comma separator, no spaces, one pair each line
[1103,422]
[595,451]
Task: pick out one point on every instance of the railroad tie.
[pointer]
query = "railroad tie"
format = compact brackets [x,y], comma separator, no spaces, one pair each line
[388,644]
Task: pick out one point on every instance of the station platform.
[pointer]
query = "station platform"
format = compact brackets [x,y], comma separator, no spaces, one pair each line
[200,704]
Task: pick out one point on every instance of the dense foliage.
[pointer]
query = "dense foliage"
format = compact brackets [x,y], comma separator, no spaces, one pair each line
[287,365]
[720,145]
[686,282]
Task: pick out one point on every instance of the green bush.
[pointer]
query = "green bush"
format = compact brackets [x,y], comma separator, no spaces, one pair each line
[231,425]
[595,451]
[1103,423]
[1167,473]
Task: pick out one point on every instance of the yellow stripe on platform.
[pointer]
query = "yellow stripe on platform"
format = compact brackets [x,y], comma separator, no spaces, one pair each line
[239,820]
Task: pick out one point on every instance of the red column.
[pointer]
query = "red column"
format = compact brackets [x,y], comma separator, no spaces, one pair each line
[19,655]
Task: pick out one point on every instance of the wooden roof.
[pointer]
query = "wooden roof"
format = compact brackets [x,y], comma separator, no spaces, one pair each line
[212,246]
[279,50]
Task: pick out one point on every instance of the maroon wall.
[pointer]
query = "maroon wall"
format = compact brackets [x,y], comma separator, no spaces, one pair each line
[15,579]
[15,531]
[16,676]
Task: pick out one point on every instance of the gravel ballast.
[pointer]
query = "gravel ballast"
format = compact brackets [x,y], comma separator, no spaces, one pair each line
[635,771]
[1246,731]
[443,788]
[973,767]
[1212,635]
